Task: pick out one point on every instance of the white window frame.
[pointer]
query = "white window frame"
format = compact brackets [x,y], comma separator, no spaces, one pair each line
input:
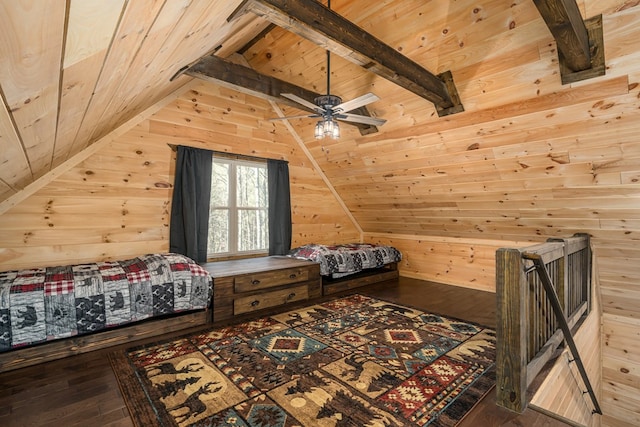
[233,209]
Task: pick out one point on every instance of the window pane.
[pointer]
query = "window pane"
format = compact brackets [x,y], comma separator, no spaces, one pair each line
[238,207]
[252,186]
[252,229]
[220,184]
[218,231]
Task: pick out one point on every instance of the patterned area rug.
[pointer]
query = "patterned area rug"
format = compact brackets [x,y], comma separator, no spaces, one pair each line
[354,361]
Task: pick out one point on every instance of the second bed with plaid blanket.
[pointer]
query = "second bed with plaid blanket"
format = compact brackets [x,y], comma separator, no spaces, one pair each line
[346,259]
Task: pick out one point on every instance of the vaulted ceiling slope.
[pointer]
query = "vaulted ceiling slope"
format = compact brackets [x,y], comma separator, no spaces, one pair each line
[72,72]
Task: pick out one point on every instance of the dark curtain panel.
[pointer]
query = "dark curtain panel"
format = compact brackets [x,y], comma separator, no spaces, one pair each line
[190,205]
[279,207]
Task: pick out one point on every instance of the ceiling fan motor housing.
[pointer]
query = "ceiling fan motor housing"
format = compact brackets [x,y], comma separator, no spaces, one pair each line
[327,101]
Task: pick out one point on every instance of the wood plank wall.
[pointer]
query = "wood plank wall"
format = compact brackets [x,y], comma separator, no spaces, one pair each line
[116,203]
[527,160]
[470,263]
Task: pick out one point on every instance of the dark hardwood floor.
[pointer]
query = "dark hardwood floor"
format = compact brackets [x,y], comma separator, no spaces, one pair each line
[82,390]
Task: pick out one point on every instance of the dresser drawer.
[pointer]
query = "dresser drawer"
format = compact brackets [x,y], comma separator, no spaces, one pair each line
[269,279]
[270,299]
[245,286]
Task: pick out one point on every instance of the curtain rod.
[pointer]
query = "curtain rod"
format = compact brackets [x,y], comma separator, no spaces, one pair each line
[174,148]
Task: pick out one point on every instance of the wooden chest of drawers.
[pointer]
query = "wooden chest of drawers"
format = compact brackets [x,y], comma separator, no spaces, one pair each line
[253,284]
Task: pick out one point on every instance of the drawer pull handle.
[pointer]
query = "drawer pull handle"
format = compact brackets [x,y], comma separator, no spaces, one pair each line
[255,303]
[255,282]
[293,276]
[291,295]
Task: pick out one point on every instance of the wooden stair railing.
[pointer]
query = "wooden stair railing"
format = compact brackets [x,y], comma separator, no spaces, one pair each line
[564,324]
[542,292]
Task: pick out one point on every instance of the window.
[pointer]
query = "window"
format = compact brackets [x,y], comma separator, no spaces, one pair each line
[238,212]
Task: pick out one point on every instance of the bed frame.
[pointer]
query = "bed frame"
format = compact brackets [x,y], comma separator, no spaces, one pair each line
[367,277]
[58,349]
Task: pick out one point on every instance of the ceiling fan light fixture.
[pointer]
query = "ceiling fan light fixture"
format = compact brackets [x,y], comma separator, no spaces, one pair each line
[335,133]
[319,131]
[331,108]
[327,128]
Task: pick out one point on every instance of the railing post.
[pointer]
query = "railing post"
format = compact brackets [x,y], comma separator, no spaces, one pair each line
[511,330]
[562,285]
[587,284]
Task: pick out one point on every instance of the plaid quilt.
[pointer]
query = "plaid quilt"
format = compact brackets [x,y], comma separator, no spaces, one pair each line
[44,304]
[341,260]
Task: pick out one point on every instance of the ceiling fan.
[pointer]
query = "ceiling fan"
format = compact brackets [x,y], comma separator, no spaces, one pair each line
[331,108]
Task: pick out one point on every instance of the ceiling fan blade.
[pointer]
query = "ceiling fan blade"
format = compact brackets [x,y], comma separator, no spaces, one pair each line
[356,103]
[301,101]
[373,121]
[302,116]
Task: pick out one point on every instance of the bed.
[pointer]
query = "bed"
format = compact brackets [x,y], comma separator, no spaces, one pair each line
[74,302]
[347,266]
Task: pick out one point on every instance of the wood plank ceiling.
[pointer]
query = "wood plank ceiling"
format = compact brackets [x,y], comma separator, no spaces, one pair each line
[75,71]
[71,72]
[529,158]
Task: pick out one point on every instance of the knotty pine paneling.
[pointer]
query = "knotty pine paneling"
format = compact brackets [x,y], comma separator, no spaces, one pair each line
[454,261]
[528,159]
[116,203]
[74,71]
[90,27]
[14,167]
[621,359]
[135,22]
[30,48]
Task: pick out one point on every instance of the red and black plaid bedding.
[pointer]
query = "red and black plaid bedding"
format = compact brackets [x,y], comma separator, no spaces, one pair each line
[341,260]
[44,304]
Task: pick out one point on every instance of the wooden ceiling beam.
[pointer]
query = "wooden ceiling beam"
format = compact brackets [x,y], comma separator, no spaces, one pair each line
[568,29]
[580,43]
[249,81]
[319,24]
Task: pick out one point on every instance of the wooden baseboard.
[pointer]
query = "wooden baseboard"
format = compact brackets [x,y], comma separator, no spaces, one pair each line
[53,350]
